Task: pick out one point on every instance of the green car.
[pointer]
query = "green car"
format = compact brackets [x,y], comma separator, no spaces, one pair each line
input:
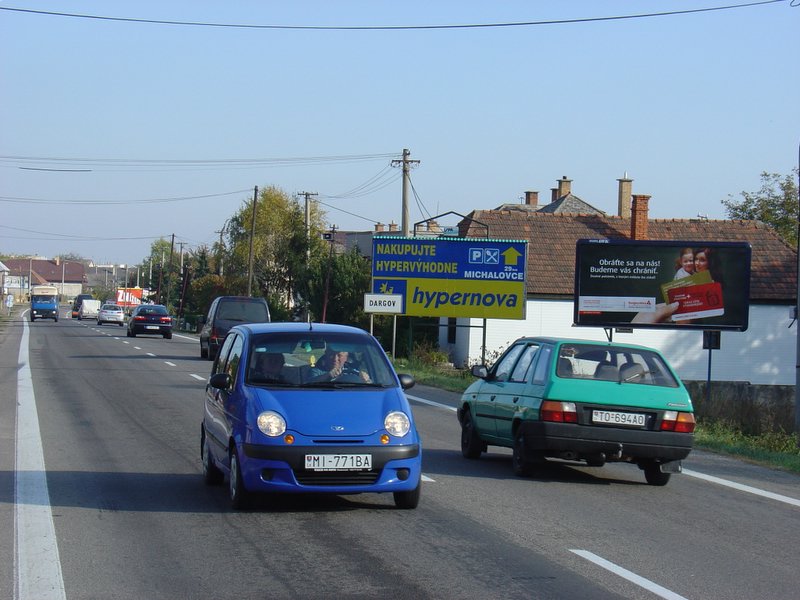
[579,400]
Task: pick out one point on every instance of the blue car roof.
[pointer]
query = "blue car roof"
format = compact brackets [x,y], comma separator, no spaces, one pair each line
[294,327]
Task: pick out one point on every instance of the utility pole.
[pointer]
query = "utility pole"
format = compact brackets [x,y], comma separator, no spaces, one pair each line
[169,269]
[252,237]
[406,164]
[181,244]
[221,248]
[308,222]
[328,276]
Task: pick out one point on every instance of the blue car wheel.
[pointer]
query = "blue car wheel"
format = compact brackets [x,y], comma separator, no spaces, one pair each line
[211,473]
[237,493]
[409,499]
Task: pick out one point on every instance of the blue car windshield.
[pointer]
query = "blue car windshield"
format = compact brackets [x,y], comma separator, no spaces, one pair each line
[311,359]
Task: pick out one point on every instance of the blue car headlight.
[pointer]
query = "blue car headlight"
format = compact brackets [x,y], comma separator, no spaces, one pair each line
[271,423]
[397,423]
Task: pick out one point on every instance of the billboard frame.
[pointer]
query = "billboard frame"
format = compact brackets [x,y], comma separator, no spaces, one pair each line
[625,283]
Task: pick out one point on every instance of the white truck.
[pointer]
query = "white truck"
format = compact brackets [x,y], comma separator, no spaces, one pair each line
[89,309]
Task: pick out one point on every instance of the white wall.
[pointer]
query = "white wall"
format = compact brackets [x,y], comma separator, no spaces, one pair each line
[764,354]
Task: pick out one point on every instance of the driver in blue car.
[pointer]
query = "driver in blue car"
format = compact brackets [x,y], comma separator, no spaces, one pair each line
[333,365]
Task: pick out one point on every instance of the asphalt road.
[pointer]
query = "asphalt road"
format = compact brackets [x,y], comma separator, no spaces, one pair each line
[117,507]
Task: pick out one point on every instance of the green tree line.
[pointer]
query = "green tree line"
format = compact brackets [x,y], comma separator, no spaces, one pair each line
[299,272]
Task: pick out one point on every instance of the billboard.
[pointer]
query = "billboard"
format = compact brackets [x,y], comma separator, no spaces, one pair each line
[662,284]
[452,277]
[129,297]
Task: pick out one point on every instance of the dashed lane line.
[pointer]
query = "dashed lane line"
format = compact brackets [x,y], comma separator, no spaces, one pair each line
[650,586]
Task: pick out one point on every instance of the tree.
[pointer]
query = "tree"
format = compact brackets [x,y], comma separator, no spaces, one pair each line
[775,204]
[280,248]
[164,285]
[336,286]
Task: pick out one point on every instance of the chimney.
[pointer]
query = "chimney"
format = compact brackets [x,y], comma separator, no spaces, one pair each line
[564,186]
[379,227]
[532,199]
[392,226]
[624,196]
[553,194]
[58,261]
[433,226]
[639,217]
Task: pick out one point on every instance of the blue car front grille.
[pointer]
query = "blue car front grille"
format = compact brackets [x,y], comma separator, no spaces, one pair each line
[336,477]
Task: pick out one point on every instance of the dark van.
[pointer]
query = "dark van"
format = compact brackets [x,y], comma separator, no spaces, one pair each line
[224,313]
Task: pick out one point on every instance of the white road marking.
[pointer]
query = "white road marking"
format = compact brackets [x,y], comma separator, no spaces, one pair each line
[709,478]
[428,479]
[136,348]
[150,354]
[37,565]
[197,377]
[171,364]
[742,488]
[430,402]
[630,576]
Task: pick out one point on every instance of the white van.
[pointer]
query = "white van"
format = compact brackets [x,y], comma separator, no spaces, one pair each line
[89,309]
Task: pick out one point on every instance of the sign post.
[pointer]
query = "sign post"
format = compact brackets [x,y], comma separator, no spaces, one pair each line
[385,304]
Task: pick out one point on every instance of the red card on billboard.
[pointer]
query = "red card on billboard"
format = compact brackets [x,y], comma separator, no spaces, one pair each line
[697,301]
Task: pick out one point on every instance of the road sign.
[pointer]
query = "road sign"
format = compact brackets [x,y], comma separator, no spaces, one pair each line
[457,277]
[391,304]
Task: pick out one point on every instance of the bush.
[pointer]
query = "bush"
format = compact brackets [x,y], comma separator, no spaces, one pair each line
[426,353]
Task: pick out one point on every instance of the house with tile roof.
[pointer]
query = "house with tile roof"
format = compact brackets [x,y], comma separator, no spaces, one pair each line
[68,276]
[763,354]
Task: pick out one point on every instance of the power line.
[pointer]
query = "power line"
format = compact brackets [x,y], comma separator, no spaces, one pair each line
[377,182]
[192,163]
[396,27]
[23,200]
[348,212]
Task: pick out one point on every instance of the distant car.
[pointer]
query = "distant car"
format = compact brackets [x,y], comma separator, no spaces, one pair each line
[76,305]
[295,426]
[579,400]
[224,313]
[111,313]
[150,319]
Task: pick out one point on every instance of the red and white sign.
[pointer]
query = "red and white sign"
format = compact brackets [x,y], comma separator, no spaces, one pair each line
[129,296]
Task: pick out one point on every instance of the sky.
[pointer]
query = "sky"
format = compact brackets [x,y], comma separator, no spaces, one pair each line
[126,124]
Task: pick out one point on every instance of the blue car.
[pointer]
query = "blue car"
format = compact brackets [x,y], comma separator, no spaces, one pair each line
[308,408]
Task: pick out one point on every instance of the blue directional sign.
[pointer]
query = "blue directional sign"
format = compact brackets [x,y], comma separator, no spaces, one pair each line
[454,277]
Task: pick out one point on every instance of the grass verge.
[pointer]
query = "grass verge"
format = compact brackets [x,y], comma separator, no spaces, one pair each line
[776,450]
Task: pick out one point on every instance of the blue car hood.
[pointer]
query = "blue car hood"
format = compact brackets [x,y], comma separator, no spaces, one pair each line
[337,413]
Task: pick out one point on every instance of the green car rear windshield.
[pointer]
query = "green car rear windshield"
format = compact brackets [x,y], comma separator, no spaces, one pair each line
[620,364]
